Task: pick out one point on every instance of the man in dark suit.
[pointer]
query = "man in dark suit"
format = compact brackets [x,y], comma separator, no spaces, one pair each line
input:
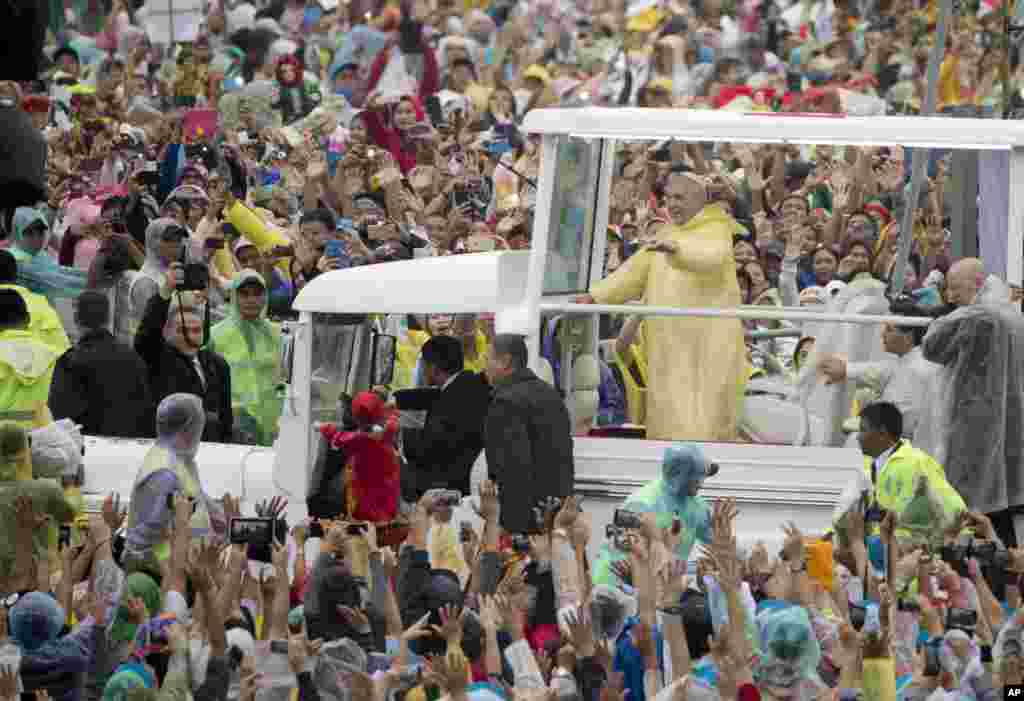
[102,383]
[529,435]
[453,435]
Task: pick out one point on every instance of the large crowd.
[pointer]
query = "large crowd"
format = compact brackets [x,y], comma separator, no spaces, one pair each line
[201,174]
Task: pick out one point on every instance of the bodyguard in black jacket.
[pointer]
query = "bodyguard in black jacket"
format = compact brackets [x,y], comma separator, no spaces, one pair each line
[453,435]
[177,363]
[528,435]
[101,383]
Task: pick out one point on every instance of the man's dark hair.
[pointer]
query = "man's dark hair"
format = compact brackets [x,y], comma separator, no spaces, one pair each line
[514,346]
[92,310]
[13,310]
[445,354]
[321,216]
[696,622]
[905,306]
[8,268]
[884,416]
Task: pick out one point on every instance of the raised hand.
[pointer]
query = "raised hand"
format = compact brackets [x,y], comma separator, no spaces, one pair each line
[451,625]
[113,513]
[489,504]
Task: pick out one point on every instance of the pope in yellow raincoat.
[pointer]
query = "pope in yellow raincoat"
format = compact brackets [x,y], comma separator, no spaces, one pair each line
[696,366]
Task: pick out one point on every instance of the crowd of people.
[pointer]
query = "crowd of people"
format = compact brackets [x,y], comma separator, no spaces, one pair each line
[196,186]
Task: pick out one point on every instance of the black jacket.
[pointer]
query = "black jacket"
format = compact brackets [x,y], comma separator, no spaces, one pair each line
[453,435]
[529,447]
[103,385]
[170,371]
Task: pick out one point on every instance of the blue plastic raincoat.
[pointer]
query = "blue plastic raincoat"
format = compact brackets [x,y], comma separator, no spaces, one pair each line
[39,271]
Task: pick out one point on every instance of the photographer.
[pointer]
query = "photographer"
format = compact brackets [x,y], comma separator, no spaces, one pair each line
[170,340]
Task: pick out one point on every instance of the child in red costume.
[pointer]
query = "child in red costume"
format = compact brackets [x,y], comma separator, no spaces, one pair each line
[371,459]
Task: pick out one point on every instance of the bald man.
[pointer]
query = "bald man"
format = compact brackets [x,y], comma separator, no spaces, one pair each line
[977,417]
[963,282]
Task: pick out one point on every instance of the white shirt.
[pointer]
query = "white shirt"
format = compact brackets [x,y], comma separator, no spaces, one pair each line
[450,380]
[884,458]
[904,381]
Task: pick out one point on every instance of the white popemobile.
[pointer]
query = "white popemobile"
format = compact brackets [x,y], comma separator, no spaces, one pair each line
[335,347]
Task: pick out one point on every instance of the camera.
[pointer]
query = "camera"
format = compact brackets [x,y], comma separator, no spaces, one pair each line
[932,659]
[619,537]
[858,615]
[987,554]
[196,275]
[445,498]
[961,619]
[316,530]
[627,520]
[546,509]
[356,528]
[251,531]
[521,544]
[465,532]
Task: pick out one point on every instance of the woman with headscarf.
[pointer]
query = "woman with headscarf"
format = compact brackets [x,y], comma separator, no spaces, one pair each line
[389,126]
[168,468]
[251,346]
[297,95]
[56,664]
[38,270]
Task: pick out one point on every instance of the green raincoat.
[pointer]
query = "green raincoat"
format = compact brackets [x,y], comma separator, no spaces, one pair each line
[252,350]
[683,465]
[16,481]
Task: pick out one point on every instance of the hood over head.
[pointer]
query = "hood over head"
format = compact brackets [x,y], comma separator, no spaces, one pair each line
[180,420]
[36,619]
[682,465]
[24,217]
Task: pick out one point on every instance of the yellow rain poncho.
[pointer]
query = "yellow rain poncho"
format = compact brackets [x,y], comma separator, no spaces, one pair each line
[26,371]
[44,322]
[696,366]
[252,349]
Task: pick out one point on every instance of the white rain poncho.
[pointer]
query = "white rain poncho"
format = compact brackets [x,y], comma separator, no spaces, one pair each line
[976,415]
[57,450]
[855,342]
[169,467]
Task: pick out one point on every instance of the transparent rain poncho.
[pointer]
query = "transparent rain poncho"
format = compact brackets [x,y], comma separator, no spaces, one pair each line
[973,420]
[147,282]
[180,419]
[790,654]
[57,450]
[854,342]
[337,661]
